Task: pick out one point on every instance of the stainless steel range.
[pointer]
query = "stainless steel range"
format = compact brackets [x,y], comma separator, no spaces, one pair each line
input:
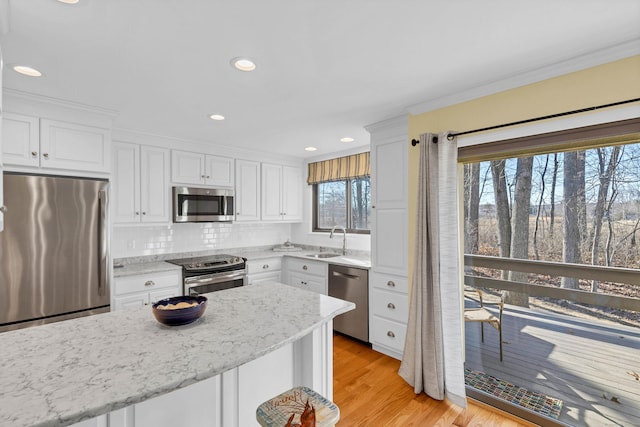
[212,273]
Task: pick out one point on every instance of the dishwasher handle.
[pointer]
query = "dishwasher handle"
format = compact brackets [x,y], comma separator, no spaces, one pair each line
[345,275]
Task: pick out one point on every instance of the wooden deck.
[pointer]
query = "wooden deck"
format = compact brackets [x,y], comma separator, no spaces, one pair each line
[587,364]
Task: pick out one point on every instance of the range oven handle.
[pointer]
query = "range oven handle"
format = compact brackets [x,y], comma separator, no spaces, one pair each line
[213,278]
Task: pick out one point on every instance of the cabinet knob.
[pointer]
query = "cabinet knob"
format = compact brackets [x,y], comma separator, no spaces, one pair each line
[45,155]
[265,266]
[144,213]
[390,334]
[149,283]
[391,284]
[137,213]
[34,154]
[202,176]
[304,267]
[391,306]
[208,177]
[373,206]
[237,213]
[3,209]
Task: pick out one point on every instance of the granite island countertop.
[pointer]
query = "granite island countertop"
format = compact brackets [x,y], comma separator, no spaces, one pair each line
[61,373]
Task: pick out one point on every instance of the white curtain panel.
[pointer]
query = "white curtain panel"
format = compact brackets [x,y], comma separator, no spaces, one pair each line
[433,359]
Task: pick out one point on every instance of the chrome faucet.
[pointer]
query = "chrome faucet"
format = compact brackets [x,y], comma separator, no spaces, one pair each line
[344,238]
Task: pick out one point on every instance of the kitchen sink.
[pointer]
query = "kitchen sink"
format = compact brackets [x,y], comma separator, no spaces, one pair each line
[322,255]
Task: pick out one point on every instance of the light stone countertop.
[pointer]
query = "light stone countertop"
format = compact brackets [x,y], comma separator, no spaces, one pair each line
[145,268]
[61,373]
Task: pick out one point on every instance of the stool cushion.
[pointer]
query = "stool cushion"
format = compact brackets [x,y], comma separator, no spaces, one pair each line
[298,407]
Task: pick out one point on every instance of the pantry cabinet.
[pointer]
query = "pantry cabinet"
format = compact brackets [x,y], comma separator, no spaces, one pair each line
[247,196]
[281,193]
[30,142]
[388,302]
[140,183]
[201,169]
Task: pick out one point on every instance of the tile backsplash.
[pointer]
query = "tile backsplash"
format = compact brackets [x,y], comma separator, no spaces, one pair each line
[190,237]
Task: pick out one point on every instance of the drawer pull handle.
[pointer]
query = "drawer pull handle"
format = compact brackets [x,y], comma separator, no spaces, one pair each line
[391,284]
[390,306]
[304,267]
[149,283]
[390,334]
[265,266]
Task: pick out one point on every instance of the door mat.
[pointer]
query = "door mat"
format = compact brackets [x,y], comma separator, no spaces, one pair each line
[537,402]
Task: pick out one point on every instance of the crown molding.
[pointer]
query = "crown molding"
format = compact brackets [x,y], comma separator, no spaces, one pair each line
[571,65]
[42,99]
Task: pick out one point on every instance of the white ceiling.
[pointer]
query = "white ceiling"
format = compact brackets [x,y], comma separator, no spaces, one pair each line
[325,68]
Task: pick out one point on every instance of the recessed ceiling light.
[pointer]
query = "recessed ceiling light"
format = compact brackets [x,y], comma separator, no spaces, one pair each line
[243,64]
[27,71]
[69,1]
[216,117]
[346,139]
[310,148]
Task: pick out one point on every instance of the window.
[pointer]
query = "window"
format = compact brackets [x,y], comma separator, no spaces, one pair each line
[344,203]
[551,223]
[341,193]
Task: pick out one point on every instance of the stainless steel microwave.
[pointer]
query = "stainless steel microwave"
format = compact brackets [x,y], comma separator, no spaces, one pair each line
[191,204]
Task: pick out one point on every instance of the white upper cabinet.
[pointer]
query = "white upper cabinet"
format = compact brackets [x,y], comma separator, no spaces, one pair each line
[20,140]
[247,197]
[281,193]
[201,169]
[140,183]
[40,143]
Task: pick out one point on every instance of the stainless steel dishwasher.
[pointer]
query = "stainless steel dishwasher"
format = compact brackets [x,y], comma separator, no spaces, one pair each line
[351,284]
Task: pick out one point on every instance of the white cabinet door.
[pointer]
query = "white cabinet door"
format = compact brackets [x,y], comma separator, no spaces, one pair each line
[154,184]
[292,193]
[219,171]
[74,147]
[125,186]
[187,167]
[247,190]
[271,192]
[131,301]
[20,140]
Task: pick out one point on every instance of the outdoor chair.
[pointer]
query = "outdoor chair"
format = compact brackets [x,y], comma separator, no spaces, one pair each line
[482,315]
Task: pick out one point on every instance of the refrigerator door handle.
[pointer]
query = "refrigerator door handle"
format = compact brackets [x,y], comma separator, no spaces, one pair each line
[103,263]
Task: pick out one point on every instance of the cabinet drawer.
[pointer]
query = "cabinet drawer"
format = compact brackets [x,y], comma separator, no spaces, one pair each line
[147,282]
[391,305]
[264,265]
[389,282]
[388,333]
[316,268]
[252,279]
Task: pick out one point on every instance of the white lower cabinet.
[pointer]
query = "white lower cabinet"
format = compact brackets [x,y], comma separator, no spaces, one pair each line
[263,270]
[307,274]
[388,313]
[139,290]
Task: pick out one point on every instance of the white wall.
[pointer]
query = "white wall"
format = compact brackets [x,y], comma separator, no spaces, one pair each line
[142,240]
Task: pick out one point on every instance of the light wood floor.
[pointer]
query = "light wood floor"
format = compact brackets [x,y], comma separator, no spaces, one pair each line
[369,392]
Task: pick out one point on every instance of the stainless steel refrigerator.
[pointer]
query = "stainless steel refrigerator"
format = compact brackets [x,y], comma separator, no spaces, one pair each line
[53,250]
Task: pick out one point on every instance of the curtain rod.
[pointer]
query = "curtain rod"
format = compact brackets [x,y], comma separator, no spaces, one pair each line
[450,136]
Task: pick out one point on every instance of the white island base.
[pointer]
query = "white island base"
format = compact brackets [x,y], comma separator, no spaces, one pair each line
[231,399]
[124,369]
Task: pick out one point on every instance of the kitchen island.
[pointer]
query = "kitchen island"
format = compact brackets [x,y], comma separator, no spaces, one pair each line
[126,369]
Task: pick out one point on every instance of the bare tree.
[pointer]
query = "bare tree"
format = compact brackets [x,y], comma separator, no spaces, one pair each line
[520,228]
[606,171]
[571,238]
[471,206]
[503,214]
[554,180]
[540,200]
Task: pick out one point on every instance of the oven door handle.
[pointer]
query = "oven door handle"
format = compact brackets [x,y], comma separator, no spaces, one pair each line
[212,278]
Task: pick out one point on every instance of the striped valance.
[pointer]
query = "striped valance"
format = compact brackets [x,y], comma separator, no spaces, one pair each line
[354,166]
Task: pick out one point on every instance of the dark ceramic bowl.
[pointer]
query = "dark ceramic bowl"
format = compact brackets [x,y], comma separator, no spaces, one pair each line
[179,316]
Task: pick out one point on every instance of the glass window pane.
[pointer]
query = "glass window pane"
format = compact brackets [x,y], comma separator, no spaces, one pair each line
[360,203]
[332,204]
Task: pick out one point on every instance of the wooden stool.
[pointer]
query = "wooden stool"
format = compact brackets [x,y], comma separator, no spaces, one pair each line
[298,407]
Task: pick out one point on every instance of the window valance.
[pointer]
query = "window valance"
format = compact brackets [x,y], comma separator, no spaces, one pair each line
[348,167]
